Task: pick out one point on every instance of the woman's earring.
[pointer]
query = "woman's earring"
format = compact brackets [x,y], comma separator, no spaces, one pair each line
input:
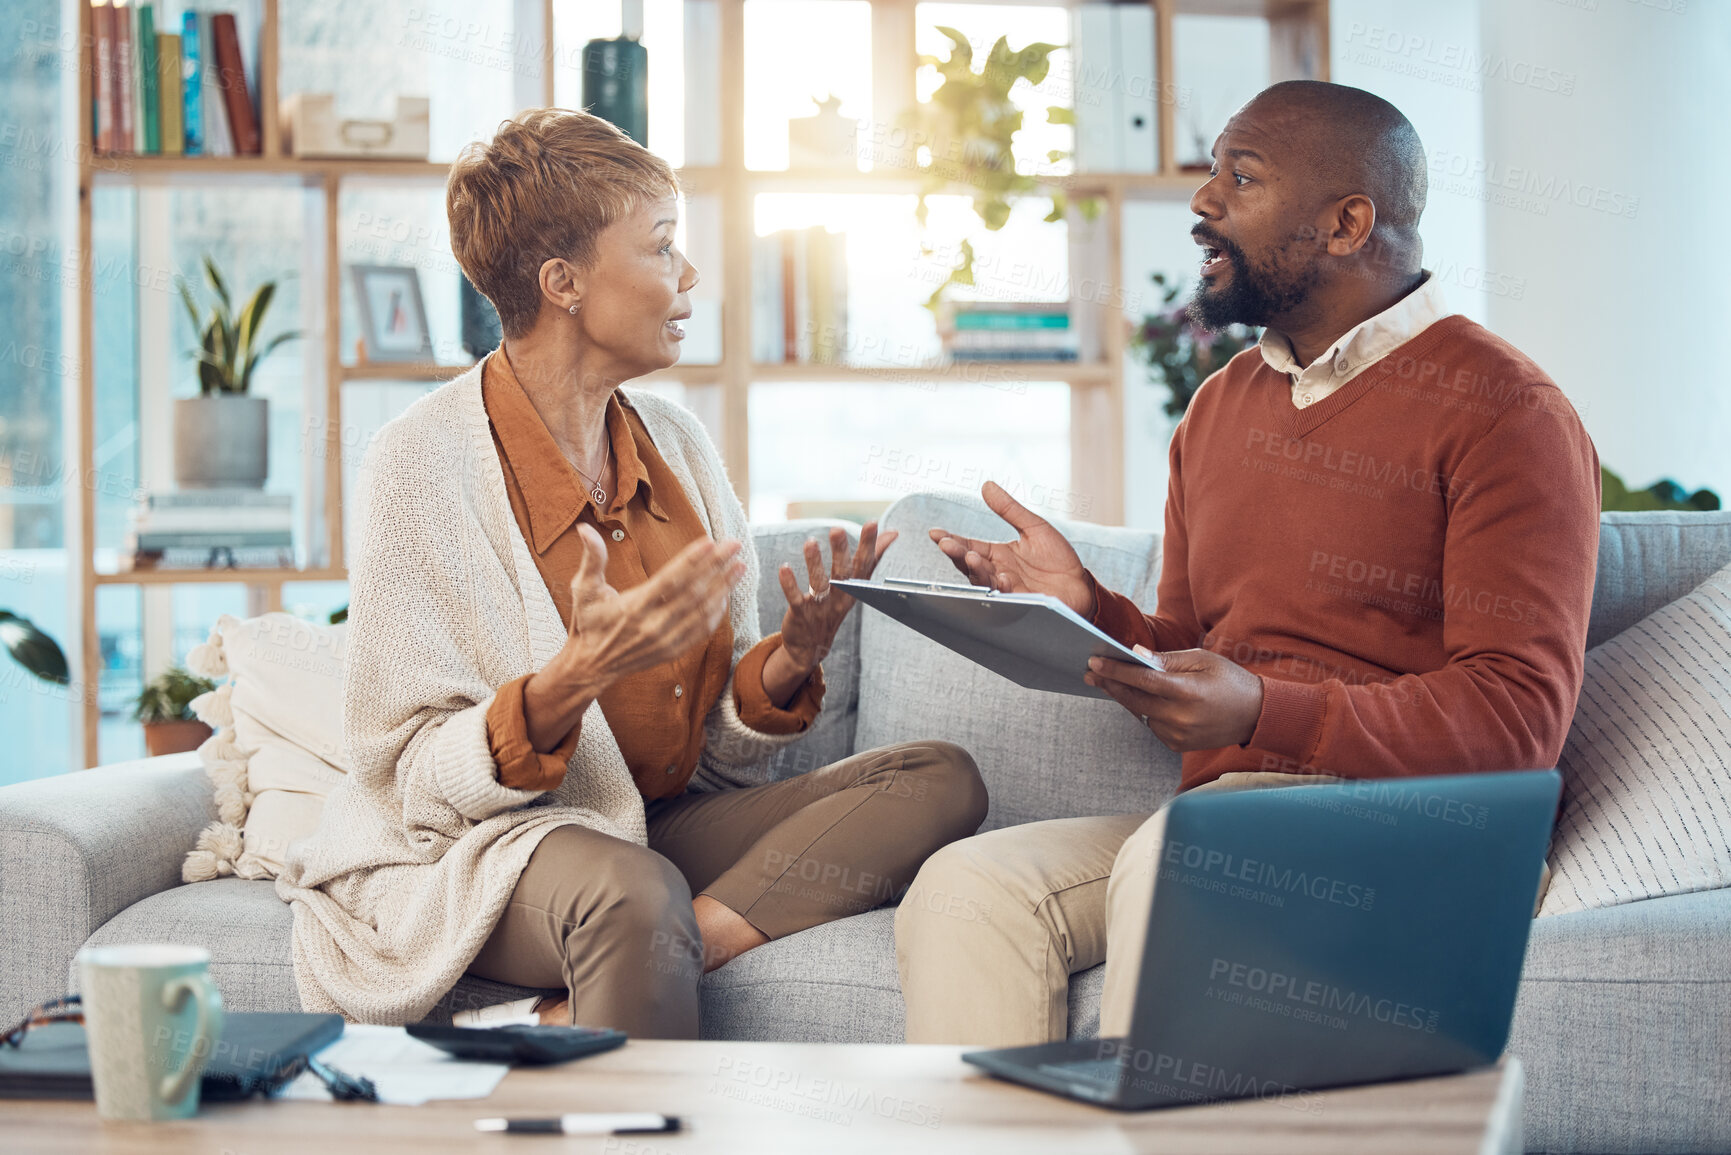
[573,310]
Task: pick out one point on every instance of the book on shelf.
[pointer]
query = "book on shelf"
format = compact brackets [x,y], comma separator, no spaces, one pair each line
[211,518]
[967,354]
[169,99]
[1008,331]
[156,541]
[170,93]
[799,296]
[144,35]
[203,557]
[217,498]
[231,78]
[103,106]
[1029,320]
[125,102]
[191,77]
[218,136]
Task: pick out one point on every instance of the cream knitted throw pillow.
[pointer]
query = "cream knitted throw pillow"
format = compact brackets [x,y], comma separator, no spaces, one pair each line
[1647,766]
[277,747]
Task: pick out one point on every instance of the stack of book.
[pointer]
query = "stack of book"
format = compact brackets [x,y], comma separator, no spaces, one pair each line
[167,93]
[1009,331]
[799,297]
[202,526]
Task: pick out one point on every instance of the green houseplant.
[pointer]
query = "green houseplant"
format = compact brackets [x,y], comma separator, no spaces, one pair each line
[1666,494]
[164,707]
[221,437]
[969,126]
[1179,353]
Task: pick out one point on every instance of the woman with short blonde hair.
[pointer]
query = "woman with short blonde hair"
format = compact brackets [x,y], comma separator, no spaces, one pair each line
[558,703]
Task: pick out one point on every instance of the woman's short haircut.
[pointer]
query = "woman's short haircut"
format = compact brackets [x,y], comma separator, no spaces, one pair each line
[545,186]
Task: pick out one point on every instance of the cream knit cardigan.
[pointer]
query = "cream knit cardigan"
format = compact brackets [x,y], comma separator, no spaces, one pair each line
[418,851]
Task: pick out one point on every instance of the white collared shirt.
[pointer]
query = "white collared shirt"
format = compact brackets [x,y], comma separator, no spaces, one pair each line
[1358,348]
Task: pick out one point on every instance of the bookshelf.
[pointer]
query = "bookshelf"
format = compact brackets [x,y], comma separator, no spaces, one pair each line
[1299,39]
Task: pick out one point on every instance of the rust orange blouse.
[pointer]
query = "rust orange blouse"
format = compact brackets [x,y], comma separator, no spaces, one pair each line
[656,715]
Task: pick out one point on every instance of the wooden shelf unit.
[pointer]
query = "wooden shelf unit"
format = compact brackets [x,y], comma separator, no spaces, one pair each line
[1097,388]
[261,576]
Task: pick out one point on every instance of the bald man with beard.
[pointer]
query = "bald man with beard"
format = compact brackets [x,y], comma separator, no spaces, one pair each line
[1380,542]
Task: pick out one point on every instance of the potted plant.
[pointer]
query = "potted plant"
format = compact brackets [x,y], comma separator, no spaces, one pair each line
[165,708]
[970,124]
[1179,353]
[222,436]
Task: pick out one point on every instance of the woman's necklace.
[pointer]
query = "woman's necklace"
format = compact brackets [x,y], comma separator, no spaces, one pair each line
[595,489]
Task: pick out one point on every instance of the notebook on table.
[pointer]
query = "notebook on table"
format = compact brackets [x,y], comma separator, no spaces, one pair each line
[258,1052]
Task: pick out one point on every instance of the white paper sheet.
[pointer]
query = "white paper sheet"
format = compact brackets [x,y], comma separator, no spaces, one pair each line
[406,1071]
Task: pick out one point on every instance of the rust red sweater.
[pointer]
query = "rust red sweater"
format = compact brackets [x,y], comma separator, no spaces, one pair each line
[1407,564]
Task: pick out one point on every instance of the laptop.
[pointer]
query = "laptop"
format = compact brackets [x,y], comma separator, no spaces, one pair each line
[257,1054]
[1315,936]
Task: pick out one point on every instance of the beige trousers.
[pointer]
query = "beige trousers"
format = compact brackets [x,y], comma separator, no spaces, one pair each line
[994,926]
[611,922]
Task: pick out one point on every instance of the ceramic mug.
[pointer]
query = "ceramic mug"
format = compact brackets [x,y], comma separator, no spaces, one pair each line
[151,1017]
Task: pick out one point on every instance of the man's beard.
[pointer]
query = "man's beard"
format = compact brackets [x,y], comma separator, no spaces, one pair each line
[1252,295]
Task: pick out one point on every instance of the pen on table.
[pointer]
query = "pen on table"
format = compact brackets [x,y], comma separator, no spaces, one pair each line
[624,1123]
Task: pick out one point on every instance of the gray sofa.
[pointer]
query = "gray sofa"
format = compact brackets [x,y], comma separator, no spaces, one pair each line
[1624,1017]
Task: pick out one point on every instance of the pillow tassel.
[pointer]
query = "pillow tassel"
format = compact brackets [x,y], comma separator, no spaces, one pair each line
[218,846]
[225,766]
[216,708]
[207,657]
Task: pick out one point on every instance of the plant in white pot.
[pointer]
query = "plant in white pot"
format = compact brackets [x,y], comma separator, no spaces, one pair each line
[222,436]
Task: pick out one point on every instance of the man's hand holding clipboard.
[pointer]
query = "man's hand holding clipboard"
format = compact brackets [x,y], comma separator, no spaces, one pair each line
[1198,700]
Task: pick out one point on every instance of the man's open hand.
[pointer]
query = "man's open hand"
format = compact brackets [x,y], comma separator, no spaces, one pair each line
[1039,561]
[1201,701]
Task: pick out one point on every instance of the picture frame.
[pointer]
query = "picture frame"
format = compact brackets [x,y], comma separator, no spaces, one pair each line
[393,316]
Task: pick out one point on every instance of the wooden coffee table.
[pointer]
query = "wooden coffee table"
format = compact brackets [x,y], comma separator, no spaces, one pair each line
[815,1099]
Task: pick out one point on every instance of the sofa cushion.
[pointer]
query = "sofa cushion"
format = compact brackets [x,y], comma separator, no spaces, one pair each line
[241,922]
[1623,1022]
[1649,559]
[247,930]
[1647,766]
[277,748]
[833,983]
[837,983]
[1042,755]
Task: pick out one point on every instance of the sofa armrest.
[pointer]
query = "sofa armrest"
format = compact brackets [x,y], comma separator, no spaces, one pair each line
[77,849]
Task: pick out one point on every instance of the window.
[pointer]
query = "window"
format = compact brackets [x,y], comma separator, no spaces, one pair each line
[37,268]
[829,448]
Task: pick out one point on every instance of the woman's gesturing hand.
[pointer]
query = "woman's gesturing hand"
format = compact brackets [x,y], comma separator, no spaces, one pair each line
[674,611]
[814,615]
[1039,560]
[613,634]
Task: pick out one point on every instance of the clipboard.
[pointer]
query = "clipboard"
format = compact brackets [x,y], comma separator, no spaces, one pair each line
[1034,640]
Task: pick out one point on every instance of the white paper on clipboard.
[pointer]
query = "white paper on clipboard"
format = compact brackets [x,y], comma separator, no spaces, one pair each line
[1034,640]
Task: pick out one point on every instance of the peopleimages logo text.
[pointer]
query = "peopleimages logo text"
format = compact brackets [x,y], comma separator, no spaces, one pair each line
[1405,799]
[1324,996]
[1267,874]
